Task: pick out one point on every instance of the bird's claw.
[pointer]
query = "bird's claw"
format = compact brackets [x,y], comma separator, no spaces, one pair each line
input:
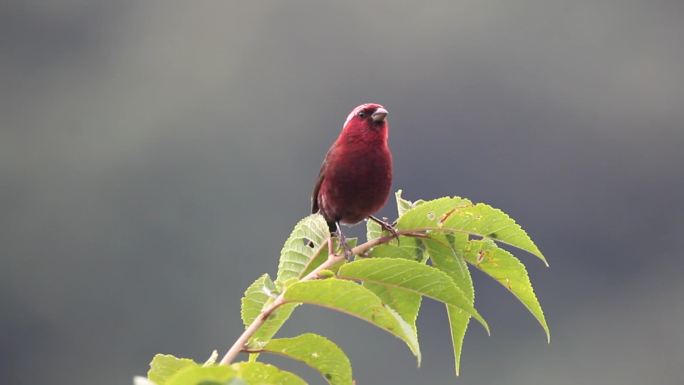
[348,253]
[387,227]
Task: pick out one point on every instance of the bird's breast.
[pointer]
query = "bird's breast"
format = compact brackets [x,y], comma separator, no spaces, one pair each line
[357,182]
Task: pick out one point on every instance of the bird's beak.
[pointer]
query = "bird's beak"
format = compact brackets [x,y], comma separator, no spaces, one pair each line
[379,115]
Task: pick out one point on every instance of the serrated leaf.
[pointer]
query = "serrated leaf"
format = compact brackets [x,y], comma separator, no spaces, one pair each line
[164,366]
[442,249]
[257,296]
[405,303]
[458,326]
[509,272]
[356,300]
[454,214]
[449,260]
[203,375]
[492,223]
[307,237]
[257,373]
[317,352]
[261,291]
[411,276]
[430,212]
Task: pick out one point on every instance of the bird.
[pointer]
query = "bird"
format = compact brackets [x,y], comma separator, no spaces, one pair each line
[355,177]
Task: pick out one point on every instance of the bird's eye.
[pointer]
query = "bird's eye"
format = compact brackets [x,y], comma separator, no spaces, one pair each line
[362,114]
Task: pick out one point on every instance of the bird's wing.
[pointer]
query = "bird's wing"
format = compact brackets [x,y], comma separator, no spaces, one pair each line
[317,187]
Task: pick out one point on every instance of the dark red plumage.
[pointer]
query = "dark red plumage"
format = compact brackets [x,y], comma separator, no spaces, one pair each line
[356,175]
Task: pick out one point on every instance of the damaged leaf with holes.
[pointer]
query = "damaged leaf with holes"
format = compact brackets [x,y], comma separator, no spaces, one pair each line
[308,236]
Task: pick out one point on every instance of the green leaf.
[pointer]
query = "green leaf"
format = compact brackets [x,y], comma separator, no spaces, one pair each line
[298,250]
[257,296]
[163,366]
[454,214]
[458,325]
[274,322]
[373,230]
[203,375]
[509,272]
[241,373]
[317,352]
[428,214]
[445,257]
[404,205]
[405,303]
[261,291]
[411,276]
[442,249]
[407,248]
[353,299]
[322,255]
[257,373]
[492,223]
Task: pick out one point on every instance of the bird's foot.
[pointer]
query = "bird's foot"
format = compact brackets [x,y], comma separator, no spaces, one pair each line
[348,253]
[386,226]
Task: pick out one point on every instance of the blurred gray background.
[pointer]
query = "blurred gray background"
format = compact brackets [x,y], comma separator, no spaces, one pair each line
[155,154]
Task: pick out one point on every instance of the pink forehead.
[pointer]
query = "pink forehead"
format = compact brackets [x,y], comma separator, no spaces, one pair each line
[359,108]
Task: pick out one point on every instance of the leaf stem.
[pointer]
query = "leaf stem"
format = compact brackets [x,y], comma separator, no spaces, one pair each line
[240,343]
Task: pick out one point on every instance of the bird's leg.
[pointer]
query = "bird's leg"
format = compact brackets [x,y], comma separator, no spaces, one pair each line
[386,226]
[343,243]
[331,251]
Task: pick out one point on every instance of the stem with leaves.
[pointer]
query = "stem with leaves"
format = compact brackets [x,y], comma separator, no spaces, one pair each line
[333,259]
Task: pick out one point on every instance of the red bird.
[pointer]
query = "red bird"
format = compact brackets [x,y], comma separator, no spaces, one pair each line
[356,175]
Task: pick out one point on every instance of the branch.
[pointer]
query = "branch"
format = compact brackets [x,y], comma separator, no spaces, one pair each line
[240,343]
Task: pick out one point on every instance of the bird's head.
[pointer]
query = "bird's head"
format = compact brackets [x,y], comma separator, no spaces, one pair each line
[367,120]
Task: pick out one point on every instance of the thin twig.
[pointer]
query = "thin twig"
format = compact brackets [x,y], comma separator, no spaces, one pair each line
[333,259]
